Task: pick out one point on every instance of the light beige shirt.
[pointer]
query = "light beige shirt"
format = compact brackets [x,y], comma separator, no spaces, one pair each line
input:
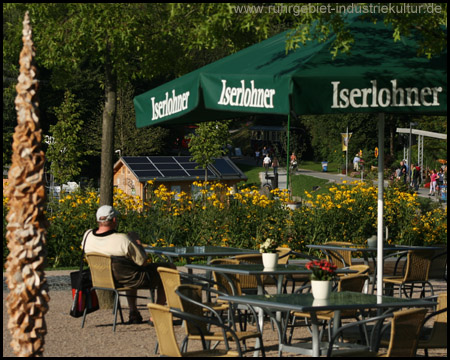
[112,243]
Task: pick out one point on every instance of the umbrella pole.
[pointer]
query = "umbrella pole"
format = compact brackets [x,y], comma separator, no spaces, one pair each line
[287,155]
[380,210]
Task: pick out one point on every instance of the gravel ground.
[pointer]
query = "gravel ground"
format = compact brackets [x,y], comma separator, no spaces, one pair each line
[65,338]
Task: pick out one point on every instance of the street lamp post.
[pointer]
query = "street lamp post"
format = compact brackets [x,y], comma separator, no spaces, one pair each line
[411,124]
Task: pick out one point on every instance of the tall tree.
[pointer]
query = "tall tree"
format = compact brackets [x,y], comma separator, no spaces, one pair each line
[65,153]
[127,41]
[209,141]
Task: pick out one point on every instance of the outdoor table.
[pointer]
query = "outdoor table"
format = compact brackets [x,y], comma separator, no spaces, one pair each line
[196,251]
[305,303]
[257,270]
[370,252]
[254,270]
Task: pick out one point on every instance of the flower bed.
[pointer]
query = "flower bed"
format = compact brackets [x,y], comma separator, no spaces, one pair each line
[219,217]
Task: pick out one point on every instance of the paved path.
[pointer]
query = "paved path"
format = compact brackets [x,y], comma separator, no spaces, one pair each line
[330,176]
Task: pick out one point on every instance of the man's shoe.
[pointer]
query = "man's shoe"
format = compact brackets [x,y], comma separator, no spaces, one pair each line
[135,318]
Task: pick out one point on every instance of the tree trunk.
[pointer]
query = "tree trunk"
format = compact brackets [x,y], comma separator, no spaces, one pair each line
[109,114]
[391,140]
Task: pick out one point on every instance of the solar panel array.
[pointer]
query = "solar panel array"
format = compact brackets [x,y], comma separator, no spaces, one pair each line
[150,167]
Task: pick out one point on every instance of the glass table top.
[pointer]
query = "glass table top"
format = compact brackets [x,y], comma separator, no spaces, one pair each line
[337,301]
[251,269]
[198,251]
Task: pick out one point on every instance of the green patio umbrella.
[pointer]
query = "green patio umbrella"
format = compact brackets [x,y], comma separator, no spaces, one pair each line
[378,76]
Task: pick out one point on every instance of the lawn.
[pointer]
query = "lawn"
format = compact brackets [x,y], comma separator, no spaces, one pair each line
[300,183]
[317,166]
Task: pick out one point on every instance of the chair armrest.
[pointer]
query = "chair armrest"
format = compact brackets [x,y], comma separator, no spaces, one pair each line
[196,319]
[304,287]
[201,305]
[433,314]
[301,255]
[402,255]
[375,334]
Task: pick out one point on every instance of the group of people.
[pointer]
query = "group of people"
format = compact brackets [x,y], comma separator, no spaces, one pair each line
[403,173]
[267,161]
[436,180]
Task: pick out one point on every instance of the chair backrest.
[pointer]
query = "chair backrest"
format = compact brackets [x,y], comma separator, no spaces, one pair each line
[163,321]
[223,280]
[352,282]
[170,279]
[249,258]
[341,258]
[189,295]
[405,332]
[283,255]
[438,264]
[361,269]
[418,265]
[249,281]
[438,336]
[101,271]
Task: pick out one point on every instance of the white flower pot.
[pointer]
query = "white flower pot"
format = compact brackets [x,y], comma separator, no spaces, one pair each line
[270,260]
[321,289]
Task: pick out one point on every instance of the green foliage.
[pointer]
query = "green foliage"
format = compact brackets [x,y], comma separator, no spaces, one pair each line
[129,139]
[208,142]
[65,154]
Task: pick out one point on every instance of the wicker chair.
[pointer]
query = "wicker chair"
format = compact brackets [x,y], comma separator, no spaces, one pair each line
[353,283]
[404,336]
[283,255]
[171,279]
[341,258]
[436,337]
[249,283]
[418,265]
[168,346]
[102,279]
[192,302]
[438,268]
[228,283]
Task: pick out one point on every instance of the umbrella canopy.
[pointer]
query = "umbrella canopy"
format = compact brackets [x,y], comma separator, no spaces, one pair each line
[379,75]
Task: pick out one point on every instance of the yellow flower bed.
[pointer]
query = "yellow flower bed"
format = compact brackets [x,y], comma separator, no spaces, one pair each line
[218,216]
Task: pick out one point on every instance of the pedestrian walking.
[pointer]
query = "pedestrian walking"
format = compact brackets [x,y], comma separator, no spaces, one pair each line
[275,165]
[416,177]
[257,156]
[266,163]
[433,180]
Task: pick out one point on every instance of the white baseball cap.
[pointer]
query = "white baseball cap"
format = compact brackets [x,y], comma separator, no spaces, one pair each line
[106,213]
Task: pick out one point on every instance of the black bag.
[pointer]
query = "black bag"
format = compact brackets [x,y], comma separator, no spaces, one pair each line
[84,297]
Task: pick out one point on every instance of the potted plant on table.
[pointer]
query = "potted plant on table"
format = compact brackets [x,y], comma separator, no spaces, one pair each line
[269,253]
[323,273]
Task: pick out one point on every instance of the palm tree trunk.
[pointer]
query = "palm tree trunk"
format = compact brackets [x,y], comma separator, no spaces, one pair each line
[27,301]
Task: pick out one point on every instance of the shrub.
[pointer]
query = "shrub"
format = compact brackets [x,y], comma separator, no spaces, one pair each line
[219,217]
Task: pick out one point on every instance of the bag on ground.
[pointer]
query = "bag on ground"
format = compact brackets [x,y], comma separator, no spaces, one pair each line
[84,297]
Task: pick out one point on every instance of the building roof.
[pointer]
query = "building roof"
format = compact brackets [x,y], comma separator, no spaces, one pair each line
[179,168]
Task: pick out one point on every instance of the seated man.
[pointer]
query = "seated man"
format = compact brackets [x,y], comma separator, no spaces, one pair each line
[128,259]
